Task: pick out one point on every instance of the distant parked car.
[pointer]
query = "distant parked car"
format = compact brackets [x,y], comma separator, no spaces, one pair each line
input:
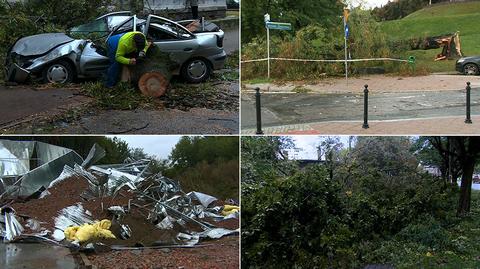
[59,57]
[469,65]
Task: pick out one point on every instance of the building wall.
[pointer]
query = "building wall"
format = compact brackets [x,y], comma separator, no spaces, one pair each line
[184,4]
[180,8]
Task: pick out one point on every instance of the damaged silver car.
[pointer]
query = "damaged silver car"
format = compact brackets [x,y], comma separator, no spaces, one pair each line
[61,58]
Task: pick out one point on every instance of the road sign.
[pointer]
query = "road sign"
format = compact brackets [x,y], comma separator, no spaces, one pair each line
[279,26]
[347,31]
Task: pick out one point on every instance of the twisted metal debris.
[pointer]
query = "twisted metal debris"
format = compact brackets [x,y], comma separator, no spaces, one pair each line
[164,200]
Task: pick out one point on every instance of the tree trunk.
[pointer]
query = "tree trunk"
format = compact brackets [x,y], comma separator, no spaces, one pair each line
[466,187]
[153,73]
[153,84]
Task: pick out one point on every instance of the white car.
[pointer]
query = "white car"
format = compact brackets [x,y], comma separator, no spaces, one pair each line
[60,58]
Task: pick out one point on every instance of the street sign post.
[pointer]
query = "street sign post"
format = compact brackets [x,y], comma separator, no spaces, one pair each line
[346,13]
[274,26]
[279,26]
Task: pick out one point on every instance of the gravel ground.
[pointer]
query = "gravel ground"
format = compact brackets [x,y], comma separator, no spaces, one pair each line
[221,253]
[63,195]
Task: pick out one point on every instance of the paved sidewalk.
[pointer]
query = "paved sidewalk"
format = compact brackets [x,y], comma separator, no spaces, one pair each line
[427,126]
[377,84]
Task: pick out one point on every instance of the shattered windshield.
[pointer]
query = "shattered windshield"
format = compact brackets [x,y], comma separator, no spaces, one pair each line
[92,30]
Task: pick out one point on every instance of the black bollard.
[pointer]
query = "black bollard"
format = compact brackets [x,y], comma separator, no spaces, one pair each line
[365,108]
[259,112]
[468,119]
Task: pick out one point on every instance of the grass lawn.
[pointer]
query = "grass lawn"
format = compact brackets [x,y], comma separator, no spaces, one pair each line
[439,20]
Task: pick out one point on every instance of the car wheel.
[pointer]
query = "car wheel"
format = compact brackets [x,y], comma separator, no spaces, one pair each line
[470,69]
[196,70]
[58,72]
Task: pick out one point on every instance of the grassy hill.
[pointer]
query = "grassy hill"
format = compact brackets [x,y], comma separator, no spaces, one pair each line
[438,20]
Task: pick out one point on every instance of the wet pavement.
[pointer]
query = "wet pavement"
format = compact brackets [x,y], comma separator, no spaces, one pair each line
[36,255]
[19,102]
[50,110]
[231,41]
[167,121]
[296,108]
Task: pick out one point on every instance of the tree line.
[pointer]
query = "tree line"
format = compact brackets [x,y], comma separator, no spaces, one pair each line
[207,164]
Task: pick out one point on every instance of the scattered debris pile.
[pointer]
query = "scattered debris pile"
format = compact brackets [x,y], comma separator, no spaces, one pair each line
[49,193]
[450,44]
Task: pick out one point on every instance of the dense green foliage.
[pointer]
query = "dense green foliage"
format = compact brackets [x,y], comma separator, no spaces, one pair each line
[317,41]
[298,13]
[379,208]
[368,39]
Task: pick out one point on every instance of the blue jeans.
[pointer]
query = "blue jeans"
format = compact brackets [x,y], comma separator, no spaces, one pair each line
[113,71]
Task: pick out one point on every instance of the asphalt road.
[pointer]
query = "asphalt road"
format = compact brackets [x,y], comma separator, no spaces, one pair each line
[21,101]
[296,108]
[231,41]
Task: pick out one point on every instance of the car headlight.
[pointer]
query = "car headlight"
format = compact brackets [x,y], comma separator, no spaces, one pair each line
[461,60]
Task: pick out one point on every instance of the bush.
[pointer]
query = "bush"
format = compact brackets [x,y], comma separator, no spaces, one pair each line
[297,222]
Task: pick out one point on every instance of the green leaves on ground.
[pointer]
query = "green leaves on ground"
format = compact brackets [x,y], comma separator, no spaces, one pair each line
[122,97]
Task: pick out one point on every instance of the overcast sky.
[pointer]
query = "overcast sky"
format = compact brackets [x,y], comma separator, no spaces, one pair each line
[307,146]
[158,145]
[368,3]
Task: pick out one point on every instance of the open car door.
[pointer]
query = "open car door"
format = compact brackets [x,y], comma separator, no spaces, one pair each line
[171,38]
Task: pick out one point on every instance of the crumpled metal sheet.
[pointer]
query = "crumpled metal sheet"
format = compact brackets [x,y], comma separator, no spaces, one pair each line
[125,231]
[66,173]
[96,153]
[166,223]
[36,164]
[43,175]
[167,205]
[74,215]
[187,239]
[15,157]
[203,198]
[216,233]
[11,227]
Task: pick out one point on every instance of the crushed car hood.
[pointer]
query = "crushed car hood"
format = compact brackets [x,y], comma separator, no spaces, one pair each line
[39,44]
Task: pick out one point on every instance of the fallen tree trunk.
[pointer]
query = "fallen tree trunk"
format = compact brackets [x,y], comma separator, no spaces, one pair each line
[152,74]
